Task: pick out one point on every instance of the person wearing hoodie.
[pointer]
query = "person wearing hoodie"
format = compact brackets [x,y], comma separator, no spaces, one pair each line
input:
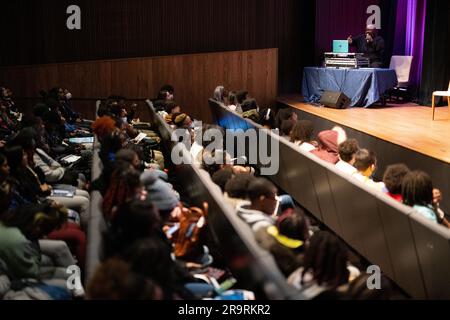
[328,147]
[329,141]
[161,194]
[263,205]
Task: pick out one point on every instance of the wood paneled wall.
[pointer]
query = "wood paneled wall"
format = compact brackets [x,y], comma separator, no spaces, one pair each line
[35,32]
[194,77]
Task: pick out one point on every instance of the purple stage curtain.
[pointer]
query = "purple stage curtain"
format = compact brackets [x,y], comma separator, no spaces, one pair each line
[415,35]
[410,34]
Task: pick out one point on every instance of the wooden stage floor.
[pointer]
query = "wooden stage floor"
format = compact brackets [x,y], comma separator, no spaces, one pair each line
[407,125]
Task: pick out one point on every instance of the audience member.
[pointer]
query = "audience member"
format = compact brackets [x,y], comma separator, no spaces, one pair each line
[267,118]
[417,192]
[219,95]
[115,281]
[233,103]
[236,189]
[263,205]
[393,180]
[347,156]
[302,135]
[328,146]
[284,115]
[286,128]
[365,164]
[325,267]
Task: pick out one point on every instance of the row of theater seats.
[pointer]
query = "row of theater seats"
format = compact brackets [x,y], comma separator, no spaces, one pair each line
[411,251]
[254,268]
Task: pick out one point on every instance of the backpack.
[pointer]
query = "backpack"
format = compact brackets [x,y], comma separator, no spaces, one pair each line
[187,240]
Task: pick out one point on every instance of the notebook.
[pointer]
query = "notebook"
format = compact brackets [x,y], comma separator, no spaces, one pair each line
[70,159]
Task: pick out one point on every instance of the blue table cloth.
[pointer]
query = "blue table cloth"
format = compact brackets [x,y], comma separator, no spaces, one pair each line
[363,86]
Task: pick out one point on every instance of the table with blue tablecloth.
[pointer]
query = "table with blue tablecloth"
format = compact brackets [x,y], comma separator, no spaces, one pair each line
[363,86]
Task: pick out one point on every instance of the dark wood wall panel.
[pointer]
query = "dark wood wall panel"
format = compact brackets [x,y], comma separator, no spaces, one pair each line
[194,76]
[34,32]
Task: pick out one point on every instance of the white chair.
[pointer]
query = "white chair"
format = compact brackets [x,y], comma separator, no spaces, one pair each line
[440,94]
[402,66]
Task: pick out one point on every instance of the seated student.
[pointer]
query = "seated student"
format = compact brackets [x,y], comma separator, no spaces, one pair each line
[66,107]
[53,172]
[165,94]
[267,118]
[161,194]
[285,114]
[347,153]
[134,220]
[33,188]
[172,108]
[393,179]
[281,249]
[219,95]
[241,96]
[37,124]
[152,258]
[294,225]
[171,91]
[209,135]
[263,205]
[250,110]
[236,189]
[21,245]
[213,161]
[328,146]
[114,280]
[70,232]
[365,163]
[103,127]
[286,241]
[417,192]
[302,135]
[124,185]
[222,177]
[12,199]
[182,121]
[286,128]
[232,102]
[131,157]
[325,266]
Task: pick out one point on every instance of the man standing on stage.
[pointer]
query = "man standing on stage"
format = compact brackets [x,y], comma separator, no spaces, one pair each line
[371,44]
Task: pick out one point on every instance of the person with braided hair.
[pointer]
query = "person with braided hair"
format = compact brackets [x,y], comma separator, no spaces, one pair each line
[125,183]
[417,192]
[325,266]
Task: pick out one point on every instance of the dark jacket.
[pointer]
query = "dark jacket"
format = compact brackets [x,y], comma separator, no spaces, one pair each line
[373,50]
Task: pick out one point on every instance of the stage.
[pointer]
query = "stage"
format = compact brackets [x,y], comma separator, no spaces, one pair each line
[398,133]
[406,125]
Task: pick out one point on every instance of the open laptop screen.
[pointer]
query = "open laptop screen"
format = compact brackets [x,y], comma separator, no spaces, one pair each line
[340,46]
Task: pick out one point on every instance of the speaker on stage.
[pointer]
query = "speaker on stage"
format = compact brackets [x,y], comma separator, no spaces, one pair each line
[335,100]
